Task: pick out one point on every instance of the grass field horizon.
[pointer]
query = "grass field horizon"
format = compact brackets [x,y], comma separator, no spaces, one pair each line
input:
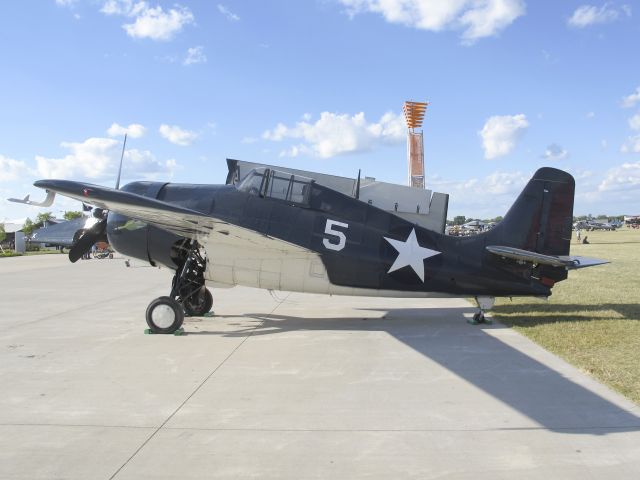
[591,320]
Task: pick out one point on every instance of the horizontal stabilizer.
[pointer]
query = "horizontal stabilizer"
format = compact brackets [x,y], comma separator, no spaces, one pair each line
[583,262]
[46,203]
[566,261]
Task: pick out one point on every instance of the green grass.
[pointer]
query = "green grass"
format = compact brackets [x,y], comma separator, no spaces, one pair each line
[592,319]
[11,253]
[44,252]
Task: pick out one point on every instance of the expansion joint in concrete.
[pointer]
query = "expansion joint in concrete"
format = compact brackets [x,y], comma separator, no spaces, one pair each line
[200,385]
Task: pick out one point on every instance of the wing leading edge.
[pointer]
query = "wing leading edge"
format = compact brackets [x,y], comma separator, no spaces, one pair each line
[182,221]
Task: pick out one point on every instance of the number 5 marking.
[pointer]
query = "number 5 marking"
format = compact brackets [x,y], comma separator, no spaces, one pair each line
[342,238]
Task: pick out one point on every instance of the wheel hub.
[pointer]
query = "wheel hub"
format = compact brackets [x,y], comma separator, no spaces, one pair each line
[163,316]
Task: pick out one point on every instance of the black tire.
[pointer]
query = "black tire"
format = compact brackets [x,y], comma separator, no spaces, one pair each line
[198,305]
[164,315]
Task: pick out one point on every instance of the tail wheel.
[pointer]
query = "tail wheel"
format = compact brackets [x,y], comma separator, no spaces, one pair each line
[199,304]
[164,315]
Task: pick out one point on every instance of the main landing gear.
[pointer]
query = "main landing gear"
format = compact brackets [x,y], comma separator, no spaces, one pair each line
[484,303]
[189,295]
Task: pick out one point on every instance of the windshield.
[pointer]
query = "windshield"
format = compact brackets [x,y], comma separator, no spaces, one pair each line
[252,183]
[276,184]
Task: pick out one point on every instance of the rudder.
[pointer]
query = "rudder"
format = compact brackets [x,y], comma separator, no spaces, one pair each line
[540,219]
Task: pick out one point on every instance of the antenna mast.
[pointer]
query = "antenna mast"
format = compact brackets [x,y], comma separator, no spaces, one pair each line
[124,144]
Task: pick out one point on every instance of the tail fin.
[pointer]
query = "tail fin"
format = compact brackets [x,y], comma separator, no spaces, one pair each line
[540,219]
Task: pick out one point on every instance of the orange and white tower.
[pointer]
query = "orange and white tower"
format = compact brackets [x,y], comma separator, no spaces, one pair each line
[414,114]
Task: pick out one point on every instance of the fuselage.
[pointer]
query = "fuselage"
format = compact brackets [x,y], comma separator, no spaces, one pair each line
[339,245]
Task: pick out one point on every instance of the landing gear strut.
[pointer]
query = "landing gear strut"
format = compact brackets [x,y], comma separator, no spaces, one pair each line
[189,295]
[484,303]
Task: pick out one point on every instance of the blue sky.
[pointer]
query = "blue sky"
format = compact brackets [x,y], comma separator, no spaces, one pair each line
[319,84]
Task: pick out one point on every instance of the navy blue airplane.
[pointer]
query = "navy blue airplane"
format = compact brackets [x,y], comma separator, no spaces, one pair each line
[279,231]
[63,234]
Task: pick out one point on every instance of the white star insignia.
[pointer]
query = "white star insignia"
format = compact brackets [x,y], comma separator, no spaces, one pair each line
[410,253]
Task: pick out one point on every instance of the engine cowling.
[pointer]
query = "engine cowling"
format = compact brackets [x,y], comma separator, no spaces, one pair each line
[137,239]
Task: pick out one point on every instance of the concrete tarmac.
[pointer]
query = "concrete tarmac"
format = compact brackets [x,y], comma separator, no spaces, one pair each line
[284,386]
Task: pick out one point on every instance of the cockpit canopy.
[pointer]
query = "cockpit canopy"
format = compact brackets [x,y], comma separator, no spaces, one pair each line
[270,183]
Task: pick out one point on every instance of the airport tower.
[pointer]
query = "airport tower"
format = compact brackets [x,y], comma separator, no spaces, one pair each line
[414,114]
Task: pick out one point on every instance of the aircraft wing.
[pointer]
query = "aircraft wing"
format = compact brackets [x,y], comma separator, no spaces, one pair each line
[566,261]
[175,219]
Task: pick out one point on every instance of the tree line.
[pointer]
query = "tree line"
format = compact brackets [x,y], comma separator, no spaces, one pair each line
[461,219]
[31,225]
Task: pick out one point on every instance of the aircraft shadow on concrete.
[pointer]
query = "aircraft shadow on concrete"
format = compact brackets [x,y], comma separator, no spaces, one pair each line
[552,313]
[442,335]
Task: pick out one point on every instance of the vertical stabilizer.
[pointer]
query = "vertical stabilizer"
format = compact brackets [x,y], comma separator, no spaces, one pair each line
[540,219]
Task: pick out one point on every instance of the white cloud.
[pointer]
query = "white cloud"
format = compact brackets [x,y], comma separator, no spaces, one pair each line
[630,100]
[501,133]
[489,17]
[615,191]
[477,18]
[555,152]
[228,13]
[591,115]
[117,7]
[149,22]
[11,169]
[334,133]
[632,145]
[65,3]
[482,197]
[91,159]
[587,15]
[504,183]
[98,158]
[278,133]
[622,177]
[154,23]
[177,135]
[143,163]
[135,130]
[582,174]
[296,150]
[195,55]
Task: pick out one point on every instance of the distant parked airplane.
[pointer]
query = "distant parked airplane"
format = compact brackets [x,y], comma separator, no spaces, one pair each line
[64,234]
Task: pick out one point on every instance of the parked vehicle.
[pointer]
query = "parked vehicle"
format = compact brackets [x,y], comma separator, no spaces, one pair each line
[102,250]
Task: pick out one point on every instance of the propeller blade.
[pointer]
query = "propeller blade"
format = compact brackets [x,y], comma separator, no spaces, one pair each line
[84,243]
